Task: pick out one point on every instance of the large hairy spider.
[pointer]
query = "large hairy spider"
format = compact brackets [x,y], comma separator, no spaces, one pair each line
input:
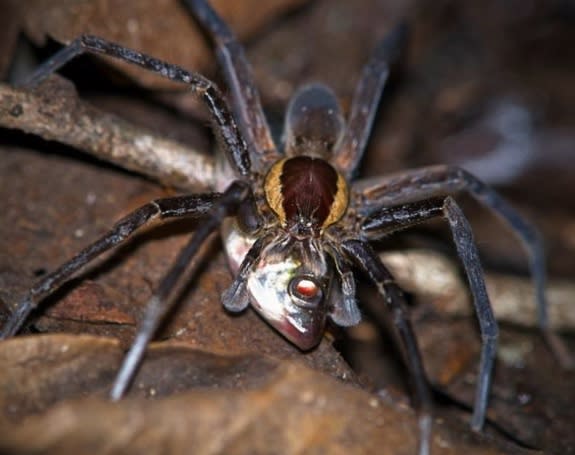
[294,219]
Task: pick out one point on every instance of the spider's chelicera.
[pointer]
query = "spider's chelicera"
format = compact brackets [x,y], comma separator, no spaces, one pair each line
[294,219]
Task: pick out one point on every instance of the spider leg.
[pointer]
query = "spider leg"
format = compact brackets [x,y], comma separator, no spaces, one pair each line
[366,258]
[365,101]
[227,131]
[395,218]
[159,304]
[237,72]
[433,181]
[181,206]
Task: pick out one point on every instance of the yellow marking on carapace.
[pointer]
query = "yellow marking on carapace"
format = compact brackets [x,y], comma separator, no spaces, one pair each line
[273,190]
[339,204]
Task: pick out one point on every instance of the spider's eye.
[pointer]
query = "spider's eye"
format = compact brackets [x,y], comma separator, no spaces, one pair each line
[307,292]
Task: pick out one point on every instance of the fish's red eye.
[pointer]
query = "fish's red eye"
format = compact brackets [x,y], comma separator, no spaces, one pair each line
[306,287]
[306,291]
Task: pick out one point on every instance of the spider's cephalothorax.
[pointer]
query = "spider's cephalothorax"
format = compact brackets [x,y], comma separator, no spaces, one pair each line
[294,237]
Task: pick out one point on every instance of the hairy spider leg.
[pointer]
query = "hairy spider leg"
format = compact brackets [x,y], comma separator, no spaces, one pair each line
[160,303]
[395,218]
[362,254]
[237,72]
[227,130]
[442,180]
[193,206]
[366,101]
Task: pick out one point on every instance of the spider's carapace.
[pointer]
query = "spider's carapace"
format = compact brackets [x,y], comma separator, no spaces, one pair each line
[306,193]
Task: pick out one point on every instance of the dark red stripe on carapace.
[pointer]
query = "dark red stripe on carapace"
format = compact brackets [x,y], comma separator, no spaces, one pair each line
[308,188]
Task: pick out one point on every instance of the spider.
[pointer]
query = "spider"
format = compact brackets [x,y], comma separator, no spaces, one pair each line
[295,221]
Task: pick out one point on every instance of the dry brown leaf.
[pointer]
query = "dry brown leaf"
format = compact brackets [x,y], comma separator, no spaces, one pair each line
[51,401]
[161,28]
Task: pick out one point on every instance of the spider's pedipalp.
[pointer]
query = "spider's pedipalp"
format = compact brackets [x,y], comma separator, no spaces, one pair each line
[344,311]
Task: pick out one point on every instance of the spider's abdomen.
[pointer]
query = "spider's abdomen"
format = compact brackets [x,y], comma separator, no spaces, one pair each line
[306,191]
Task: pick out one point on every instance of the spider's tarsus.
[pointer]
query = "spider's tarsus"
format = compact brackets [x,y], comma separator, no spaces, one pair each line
[392,46]
[425,426]
[129,366]
[16,319]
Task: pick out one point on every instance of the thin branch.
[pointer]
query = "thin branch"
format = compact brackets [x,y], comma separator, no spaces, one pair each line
[53,111]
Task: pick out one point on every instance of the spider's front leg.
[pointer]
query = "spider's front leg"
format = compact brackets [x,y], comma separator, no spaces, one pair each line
[228,132]
[245,99]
